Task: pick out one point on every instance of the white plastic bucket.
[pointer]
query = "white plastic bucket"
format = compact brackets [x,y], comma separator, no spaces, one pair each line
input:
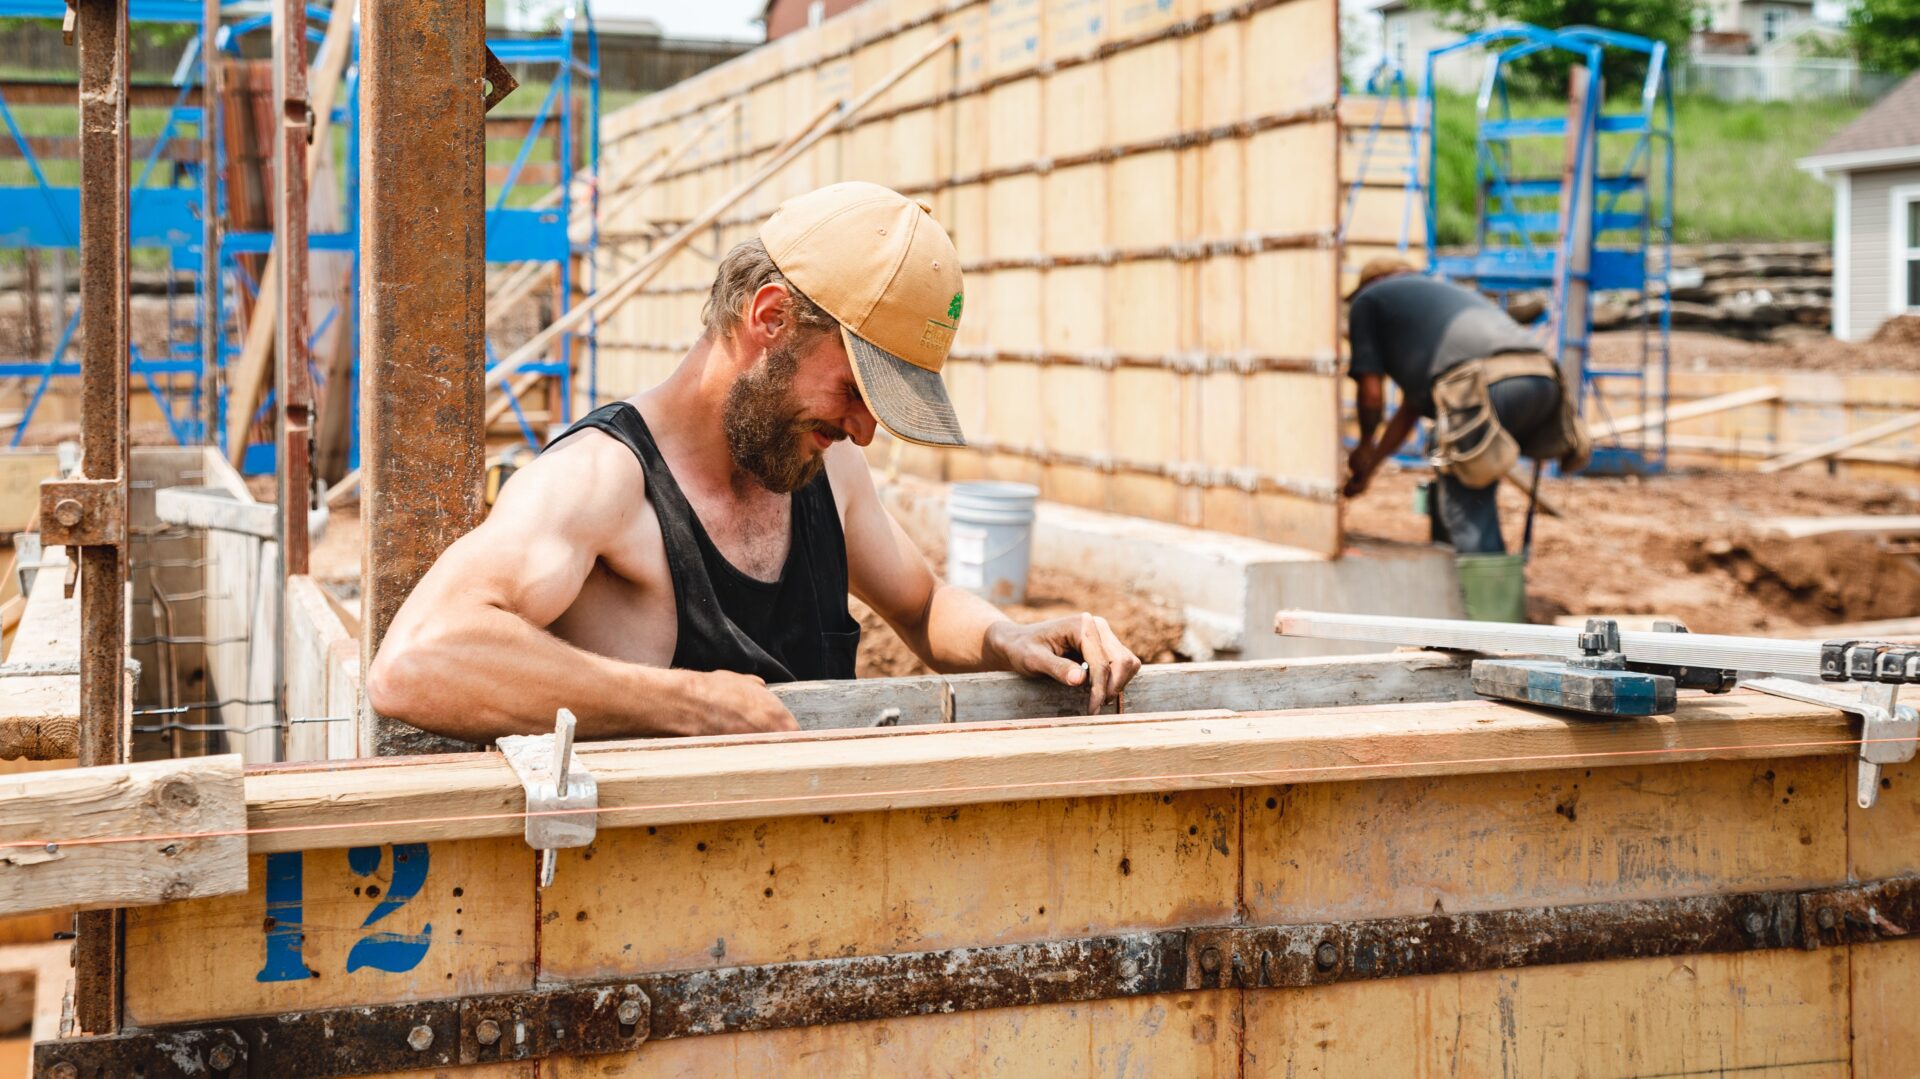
[990,539]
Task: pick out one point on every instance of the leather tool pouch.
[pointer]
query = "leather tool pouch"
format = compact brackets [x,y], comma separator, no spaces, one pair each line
[1469,443]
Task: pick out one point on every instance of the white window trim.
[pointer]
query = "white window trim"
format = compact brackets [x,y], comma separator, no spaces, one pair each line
[1900,200]
[1843,256]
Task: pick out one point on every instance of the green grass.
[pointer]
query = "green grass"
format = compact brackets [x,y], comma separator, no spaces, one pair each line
[1733,166]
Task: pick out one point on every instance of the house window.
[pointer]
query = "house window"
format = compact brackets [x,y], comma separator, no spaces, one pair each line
[1906,249]
[1772,21]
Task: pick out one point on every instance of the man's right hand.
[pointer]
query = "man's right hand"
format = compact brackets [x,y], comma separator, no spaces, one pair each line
[729,703]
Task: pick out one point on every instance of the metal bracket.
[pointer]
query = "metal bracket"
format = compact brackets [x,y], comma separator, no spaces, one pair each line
[500,81]
[554,781]
[1887,729]
[82,513]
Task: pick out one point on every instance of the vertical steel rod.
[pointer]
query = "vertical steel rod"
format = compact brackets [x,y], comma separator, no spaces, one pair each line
[423,307]
[294,417]
[101,37]
[212,330]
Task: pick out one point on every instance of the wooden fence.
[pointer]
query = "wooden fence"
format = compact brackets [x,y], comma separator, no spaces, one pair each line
[1144,195]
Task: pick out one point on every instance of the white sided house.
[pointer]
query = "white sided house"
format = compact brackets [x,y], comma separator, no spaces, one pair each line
[1874,167]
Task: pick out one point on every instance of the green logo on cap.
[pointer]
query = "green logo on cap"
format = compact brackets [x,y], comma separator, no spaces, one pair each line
[953,308]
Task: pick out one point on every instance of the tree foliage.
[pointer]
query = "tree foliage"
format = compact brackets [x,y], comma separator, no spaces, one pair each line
[1671,21]
[1886,34]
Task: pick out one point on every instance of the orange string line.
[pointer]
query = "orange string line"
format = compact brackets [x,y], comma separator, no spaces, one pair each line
[1265,774]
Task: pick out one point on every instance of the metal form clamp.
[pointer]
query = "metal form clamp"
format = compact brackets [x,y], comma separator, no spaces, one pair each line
[1888,729]
[554,782]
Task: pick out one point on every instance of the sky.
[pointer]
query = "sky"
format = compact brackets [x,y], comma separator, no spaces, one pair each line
[693,18]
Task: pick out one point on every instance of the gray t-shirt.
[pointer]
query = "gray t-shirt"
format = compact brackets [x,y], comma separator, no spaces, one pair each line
[1413,329]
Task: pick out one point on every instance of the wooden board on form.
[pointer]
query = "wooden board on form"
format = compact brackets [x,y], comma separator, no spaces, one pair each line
[159,799]
[40,718]
[1777,1013]
[20,474]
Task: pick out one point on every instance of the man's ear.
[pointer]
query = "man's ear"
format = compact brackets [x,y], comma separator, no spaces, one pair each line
[767,314]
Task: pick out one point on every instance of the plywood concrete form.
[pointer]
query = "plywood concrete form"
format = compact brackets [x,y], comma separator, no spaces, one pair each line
[1814,407]
[1149,324]
[459,915]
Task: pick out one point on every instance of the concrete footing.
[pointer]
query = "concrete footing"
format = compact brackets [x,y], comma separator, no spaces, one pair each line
[1228,587]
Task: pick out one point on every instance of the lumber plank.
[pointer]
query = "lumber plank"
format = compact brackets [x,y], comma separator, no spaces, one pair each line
[1725,402]
[1543,838]
[342,927]
[20,474]
[40,719]
[1265,685]
[962,764]
[1884,981]
[215,508]
[1773,1013]
[1821,451]
[162,799]
[1797,528]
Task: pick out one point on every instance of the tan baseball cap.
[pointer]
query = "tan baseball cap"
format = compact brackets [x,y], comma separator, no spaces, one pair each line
[879,263]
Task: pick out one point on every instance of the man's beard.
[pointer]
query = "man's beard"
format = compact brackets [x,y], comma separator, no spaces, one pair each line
[763,426]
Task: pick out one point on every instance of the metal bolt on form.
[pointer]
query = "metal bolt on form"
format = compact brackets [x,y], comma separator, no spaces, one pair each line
[420,1038]
[220,1057]
[1326,956]
[486,1032]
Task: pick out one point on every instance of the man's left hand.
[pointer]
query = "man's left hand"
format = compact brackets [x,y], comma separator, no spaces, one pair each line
[1048,649]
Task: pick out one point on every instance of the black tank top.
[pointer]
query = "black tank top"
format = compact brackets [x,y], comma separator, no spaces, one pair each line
[794,629]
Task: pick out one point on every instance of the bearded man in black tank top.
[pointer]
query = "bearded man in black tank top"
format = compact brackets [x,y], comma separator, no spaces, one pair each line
[671,554]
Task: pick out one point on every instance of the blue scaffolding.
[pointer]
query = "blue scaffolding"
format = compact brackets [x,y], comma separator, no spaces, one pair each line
[526,221]
[177,210]
[169,211]
[1619,159]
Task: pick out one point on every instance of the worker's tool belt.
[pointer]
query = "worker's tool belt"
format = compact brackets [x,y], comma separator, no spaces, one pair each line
[1470,444]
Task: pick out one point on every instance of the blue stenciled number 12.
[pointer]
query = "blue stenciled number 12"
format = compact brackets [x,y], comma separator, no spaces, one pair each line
[392,952]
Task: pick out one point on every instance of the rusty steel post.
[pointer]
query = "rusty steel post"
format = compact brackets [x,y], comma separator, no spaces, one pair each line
[294,417]
[93,509]
[423,307]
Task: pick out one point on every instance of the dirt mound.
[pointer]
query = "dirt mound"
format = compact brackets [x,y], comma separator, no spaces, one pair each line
[1152,631]
[1901,330]
[1681,545]
[1696,351]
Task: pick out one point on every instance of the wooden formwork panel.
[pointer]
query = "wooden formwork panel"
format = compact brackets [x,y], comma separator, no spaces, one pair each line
[432,920]
[1813,406]
[1134,196]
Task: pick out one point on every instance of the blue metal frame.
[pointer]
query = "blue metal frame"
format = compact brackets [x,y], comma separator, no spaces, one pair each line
[169,218]
[513,234]
[1523,235]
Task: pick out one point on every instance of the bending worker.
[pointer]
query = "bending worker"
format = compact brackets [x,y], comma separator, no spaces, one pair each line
[1460,361]
[673,553]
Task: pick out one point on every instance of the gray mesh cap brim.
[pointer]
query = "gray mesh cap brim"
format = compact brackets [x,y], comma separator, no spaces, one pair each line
[909,401]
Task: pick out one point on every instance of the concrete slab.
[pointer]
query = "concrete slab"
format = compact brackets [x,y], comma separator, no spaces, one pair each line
[1227,586]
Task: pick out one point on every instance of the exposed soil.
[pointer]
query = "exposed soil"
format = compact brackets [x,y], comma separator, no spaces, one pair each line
[1896,347]
[1680,545]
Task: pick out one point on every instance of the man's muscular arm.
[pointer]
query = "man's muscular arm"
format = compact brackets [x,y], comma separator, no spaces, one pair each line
[953,630]
[468,654]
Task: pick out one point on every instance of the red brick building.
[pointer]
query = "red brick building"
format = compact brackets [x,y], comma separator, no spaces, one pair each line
[783,17]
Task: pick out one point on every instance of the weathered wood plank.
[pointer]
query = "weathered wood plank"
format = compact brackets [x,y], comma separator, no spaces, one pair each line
[366,926]
[151,798]
[881,883]
[1497,842]
[1779,1013]
[1795,528]
[41,717]
[215,508]
[1324,682]
[837,772]
[1884,983]
[1177,1034]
